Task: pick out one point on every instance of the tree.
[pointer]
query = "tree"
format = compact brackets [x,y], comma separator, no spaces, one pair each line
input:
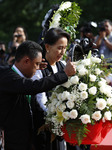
[30,15]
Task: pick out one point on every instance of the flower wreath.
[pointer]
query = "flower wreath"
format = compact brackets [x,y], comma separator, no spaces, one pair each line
[67,17]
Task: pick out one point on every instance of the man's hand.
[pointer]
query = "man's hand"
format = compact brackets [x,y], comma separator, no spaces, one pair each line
[70,68]
[43,64]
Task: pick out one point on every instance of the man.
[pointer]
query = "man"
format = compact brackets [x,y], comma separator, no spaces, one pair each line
[104,39]
[15,91]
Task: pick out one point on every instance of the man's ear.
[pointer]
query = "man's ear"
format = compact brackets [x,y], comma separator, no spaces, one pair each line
[26,60]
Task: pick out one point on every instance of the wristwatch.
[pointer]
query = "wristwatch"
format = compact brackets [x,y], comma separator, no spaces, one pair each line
[105,38]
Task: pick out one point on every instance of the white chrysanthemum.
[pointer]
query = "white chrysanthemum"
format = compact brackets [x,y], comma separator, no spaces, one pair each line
[66,115]
[93,90]
[70,104]
[73,114]
[107,115]
[64,6]
[82,87]
[98,71]
[74,79]
[67,84]
[83,71]
[65,95]
[95,60]
[101,103]
[84,95]
[85,119]
[96,115]
[109,101]
[92,78]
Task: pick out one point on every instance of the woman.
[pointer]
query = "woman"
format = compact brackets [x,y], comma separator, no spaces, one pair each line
[55,44]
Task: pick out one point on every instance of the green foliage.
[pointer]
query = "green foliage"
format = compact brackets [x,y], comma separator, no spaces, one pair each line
[77,128]
[30,14]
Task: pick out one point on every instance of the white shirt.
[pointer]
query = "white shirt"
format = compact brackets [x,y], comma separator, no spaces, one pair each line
[17,70]
[41,97]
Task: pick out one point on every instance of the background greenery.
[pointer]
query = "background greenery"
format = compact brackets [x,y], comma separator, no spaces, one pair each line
[30,15]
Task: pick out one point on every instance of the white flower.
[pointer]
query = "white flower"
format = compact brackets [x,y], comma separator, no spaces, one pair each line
[73,114]
[107,115]
[72,97]
[102,79]
[85,119]
[79,67]
[82,87]
[59,96]
[74,80]
[54,101]
[86,62]
[101,83]
[70,104]
[98,71]
[83,71]
[67,84]
[66,115]
[65,95]
[54,119]
[53,109]
[106,89]
[84,95]
[64,6]
[92,78]
[55,23]
[109,101]
[62,107]
[96,115]
[101,103]
[95,60]
[93,90]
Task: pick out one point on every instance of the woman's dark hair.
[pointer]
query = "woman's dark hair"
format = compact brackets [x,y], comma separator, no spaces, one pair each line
[28,48]
[52,36]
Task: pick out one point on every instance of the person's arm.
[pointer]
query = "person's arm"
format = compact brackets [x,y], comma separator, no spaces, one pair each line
[11,82]
[108,43]
[98,41]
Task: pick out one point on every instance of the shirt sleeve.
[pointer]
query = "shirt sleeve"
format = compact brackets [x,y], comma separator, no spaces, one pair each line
[41,98]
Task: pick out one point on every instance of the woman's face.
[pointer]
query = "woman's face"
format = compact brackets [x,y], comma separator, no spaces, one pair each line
[19,30]
[54,53]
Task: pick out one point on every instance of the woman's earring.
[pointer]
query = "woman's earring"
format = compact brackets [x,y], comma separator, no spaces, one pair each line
[47,51]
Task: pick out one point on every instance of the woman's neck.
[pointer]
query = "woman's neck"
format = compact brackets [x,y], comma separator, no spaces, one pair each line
[51,62]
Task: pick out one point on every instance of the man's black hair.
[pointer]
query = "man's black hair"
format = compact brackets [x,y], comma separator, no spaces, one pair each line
[28,48]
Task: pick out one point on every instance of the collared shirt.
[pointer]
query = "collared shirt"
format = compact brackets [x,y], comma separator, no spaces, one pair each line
[17,70]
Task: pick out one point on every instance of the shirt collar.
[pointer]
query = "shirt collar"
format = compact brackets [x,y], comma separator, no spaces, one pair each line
[17,70]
